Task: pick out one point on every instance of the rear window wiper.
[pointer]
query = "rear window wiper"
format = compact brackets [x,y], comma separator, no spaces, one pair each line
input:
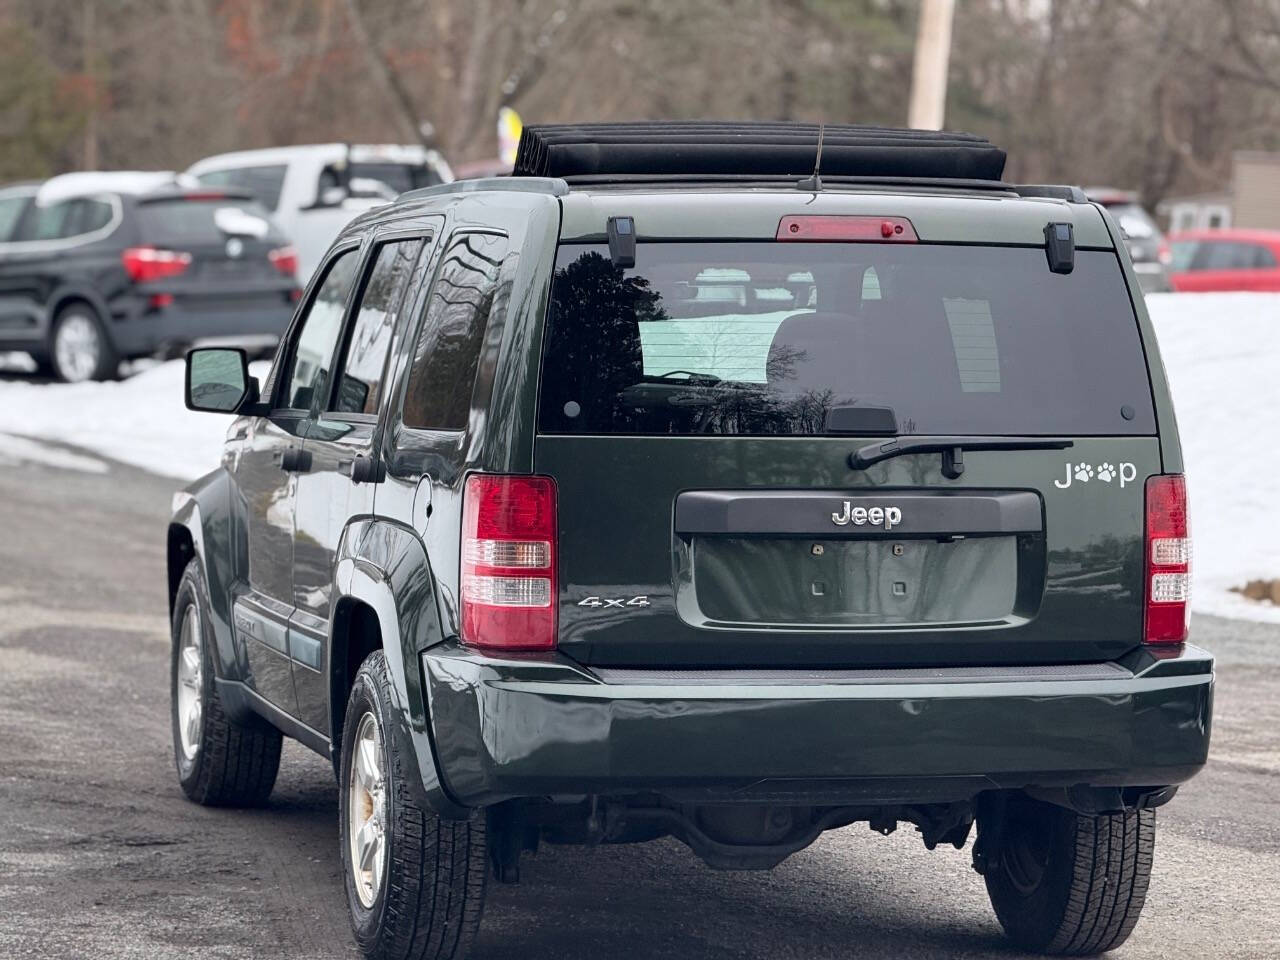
[951,448]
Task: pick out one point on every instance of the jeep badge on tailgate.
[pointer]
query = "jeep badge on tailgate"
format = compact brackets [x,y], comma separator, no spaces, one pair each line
[890,517]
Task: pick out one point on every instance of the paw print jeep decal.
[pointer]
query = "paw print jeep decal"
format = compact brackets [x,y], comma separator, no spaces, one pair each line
[1104,472]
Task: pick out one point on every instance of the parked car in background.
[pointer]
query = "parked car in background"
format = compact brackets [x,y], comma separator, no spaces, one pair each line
[315,190]
[1147,247]
[1207,261]
[96,268]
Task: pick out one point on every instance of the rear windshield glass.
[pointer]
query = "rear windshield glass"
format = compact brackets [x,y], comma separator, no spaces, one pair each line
[1219,255]
[182,221]
[755,338]
[400,177]
[266,183]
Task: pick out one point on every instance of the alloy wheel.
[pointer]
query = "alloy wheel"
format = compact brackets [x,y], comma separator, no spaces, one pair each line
[366,810]
[77,347]
[190,683]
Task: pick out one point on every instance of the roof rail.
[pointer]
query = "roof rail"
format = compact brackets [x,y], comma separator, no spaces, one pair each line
[549,185]
[760,150]
[1052,191]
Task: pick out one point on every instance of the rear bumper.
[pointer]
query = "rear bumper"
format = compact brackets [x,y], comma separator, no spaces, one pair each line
[523,727]
[145,332]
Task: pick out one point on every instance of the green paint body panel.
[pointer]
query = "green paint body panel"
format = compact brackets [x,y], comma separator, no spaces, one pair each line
[1076,586]
[545,726]
[1026,669]
[754,214]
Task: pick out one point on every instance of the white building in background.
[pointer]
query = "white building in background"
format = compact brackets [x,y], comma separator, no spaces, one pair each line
[1251,201]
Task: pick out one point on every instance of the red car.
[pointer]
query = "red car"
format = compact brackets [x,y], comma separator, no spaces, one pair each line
[1218,260]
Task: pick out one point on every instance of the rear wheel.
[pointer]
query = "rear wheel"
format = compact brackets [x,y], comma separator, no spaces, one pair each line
[220,762]
[79,349]
[415,883]
[43,362]
[1065,883]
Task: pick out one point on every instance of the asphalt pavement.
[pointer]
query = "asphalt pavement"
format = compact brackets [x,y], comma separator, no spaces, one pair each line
[101,856]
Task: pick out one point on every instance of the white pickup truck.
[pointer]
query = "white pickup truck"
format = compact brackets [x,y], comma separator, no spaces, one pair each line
[314,190]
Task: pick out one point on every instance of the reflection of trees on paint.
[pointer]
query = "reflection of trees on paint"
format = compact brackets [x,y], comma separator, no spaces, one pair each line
[594,368]
[438,395]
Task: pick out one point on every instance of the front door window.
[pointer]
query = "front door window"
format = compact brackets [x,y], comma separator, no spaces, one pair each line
[313,351]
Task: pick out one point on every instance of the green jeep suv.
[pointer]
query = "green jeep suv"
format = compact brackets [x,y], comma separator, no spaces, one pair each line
[730,482]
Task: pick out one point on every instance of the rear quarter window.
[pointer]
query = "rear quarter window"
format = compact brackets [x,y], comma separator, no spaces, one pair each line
[447,354]
[761,338]
[65,220]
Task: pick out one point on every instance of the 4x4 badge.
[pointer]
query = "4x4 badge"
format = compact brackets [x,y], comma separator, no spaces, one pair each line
[593,602]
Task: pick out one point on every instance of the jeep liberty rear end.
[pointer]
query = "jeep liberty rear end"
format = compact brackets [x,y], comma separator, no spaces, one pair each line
[786,499]
[859,505]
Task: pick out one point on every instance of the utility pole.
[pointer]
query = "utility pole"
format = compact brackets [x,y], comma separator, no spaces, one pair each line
[90,65]
[929,74]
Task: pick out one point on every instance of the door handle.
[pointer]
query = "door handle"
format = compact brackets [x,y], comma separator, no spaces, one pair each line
[295,460]
[365,469]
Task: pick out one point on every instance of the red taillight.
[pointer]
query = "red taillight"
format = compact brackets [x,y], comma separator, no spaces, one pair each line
[878,229]
[1168,562]
[1164,254]
[284,259]
[509,562]
[145,264]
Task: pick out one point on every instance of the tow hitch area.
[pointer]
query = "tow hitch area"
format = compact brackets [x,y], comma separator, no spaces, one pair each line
[727,836]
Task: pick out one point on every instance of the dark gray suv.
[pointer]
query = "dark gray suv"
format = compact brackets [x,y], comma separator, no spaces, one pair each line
[100,268]
[674,488]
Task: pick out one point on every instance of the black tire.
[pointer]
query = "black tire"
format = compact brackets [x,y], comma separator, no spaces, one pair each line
[44,364]
[101,360]
[233,764]
[430,890]
[1068,884]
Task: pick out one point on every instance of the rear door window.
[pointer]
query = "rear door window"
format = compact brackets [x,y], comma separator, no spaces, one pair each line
[438,394]
[365,355]
[764,338]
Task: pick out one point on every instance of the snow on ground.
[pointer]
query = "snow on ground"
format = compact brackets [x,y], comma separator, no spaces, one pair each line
[1222,353]
[140,420]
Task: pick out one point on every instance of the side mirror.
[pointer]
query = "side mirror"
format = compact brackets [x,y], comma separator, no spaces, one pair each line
[218,380]
[332,197]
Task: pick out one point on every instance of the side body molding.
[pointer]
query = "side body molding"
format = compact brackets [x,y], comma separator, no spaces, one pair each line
[384,565]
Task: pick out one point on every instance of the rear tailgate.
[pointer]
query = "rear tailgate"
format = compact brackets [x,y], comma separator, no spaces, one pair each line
[710,515]
[238,258]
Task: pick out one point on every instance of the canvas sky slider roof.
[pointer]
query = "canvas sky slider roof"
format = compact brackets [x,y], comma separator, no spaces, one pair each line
[764,149]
